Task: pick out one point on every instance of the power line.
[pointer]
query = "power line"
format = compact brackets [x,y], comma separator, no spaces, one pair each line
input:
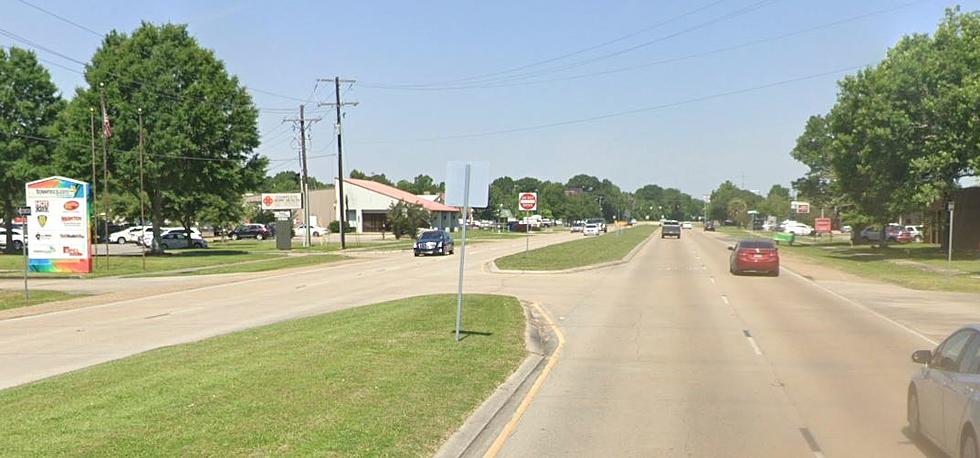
[629,112]
[573,53]
[62,18]
[730,15]
[720,50]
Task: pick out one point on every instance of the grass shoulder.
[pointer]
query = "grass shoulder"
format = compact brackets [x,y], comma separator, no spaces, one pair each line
[383,379]
[587,251]
[10,298]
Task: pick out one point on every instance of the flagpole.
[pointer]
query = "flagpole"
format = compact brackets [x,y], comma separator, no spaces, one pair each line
[142,212]
[91,112]
[105,171]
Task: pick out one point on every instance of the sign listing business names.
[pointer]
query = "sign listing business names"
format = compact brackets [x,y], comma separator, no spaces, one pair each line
[58,227]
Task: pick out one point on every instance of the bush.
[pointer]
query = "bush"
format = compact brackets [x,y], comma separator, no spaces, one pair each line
[334,227]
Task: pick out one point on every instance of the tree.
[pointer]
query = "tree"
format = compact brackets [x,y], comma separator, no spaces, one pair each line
[718,208]
[777,202]
[422,184]
[738,211]
[813,149]
[405,219]
[288,181]
[200,124]
[29,104]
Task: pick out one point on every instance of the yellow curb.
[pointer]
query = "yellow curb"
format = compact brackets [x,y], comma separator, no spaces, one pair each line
[498,443]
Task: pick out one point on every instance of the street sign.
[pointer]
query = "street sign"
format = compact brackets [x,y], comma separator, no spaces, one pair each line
[951,205]
[822,225]
[283,215]
[800,207]
[24,211]
[282,201]
[479,183]
[528,201]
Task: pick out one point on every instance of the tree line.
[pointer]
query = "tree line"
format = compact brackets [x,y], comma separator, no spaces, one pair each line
[903,132]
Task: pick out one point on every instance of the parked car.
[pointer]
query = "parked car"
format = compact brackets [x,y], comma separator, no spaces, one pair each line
[599,222]
[315,230]
[434,242]
[754,256]
[578,226]
[250,231]
[18,238]
[709,226]
[687,225]
[893,233]
[591,229]
[147,239]
[670,228]
[797,228]
[177,238]
[632,222]
[129,235]
[917,233]
[942,404]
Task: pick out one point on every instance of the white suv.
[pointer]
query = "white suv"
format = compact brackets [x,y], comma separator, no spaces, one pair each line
[916,232]
[129,235]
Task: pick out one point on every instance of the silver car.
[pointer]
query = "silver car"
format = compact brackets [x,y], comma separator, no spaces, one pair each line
[943,398]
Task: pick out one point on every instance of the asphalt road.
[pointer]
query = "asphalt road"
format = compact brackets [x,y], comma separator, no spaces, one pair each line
[658,359]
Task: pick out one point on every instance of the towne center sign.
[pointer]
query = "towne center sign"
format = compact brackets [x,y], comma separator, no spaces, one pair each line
[59,227]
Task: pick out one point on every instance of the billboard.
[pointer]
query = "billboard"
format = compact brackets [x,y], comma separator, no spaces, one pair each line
[282,201]
[822,225]
[59,228]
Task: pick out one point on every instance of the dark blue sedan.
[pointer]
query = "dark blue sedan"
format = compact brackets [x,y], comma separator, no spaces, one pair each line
[434,242]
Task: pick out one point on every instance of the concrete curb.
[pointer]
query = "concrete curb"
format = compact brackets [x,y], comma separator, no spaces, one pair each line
[491,266]
[484,424]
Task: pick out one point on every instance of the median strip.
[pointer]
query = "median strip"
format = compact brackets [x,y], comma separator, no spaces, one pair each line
[586,252]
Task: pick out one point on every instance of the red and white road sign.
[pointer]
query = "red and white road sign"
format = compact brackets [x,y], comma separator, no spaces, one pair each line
[528,201]
[822,225]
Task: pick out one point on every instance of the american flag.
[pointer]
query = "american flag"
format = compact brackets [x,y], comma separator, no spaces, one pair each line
[106,126]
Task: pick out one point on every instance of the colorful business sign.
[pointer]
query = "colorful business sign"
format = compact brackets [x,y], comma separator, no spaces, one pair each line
[59,228]
[822,225]
[282,201]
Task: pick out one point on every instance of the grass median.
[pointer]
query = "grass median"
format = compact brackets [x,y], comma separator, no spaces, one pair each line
[384,379]
[587,251]
[13,298]
[913,265]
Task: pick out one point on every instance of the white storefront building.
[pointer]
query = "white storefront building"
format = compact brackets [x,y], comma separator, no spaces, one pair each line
[367,203]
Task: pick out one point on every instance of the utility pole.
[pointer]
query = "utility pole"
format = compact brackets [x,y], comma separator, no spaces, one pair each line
[340,154]
[304,187]
[142,231]
[106,132]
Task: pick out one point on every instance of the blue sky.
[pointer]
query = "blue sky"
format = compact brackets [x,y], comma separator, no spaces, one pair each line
[691,137]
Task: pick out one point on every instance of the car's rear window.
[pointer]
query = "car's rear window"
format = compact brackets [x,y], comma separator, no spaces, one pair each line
[756,244]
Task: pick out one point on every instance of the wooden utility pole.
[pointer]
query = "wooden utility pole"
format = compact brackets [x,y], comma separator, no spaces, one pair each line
[304,186]
[340,155]
[105,171]
[91,112]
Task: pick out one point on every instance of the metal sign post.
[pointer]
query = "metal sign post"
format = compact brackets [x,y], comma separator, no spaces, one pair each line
[528,201]
[949,255]
[26,213]
[462,251]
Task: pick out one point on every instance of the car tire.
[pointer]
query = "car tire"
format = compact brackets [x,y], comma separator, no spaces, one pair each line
[18,245]
[198,245]
[417,254]
[918,238]
[316,234]
[774,273]
[452,251]
[121,241]
[968,446]
[234,236]
[912,412]
[258,237]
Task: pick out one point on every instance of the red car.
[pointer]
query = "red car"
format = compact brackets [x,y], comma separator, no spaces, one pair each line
[754,256]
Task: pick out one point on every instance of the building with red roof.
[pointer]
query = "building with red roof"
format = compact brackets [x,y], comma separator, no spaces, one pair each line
[367,203]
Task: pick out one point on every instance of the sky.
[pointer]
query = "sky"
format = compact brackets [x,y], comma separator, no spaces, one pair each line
[682,94]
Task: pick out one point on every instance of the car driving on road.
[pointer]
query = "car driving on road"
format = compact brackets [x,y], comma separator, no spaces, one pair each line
[434,242]
[943,396]
[590,229]
[687,225]
[760,256]
[670,228]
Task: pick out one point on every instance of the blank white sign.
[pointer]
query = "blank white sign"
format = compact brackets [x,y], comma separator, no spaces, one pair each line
[479,183]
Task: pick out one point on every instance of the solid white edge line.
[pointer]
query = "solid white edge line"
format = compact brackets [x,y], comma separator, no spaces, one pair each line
[862,306]
[755,346]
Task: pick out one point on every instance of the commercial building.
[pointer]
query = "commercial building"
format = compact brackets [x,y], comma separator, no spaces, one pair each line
[367,203]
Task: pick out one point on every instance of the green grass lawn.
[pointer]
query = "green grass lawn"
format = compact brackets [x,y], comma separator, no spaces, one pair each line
[275,263]
[381,380]
[13,298]
[577,253]
[914,265]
